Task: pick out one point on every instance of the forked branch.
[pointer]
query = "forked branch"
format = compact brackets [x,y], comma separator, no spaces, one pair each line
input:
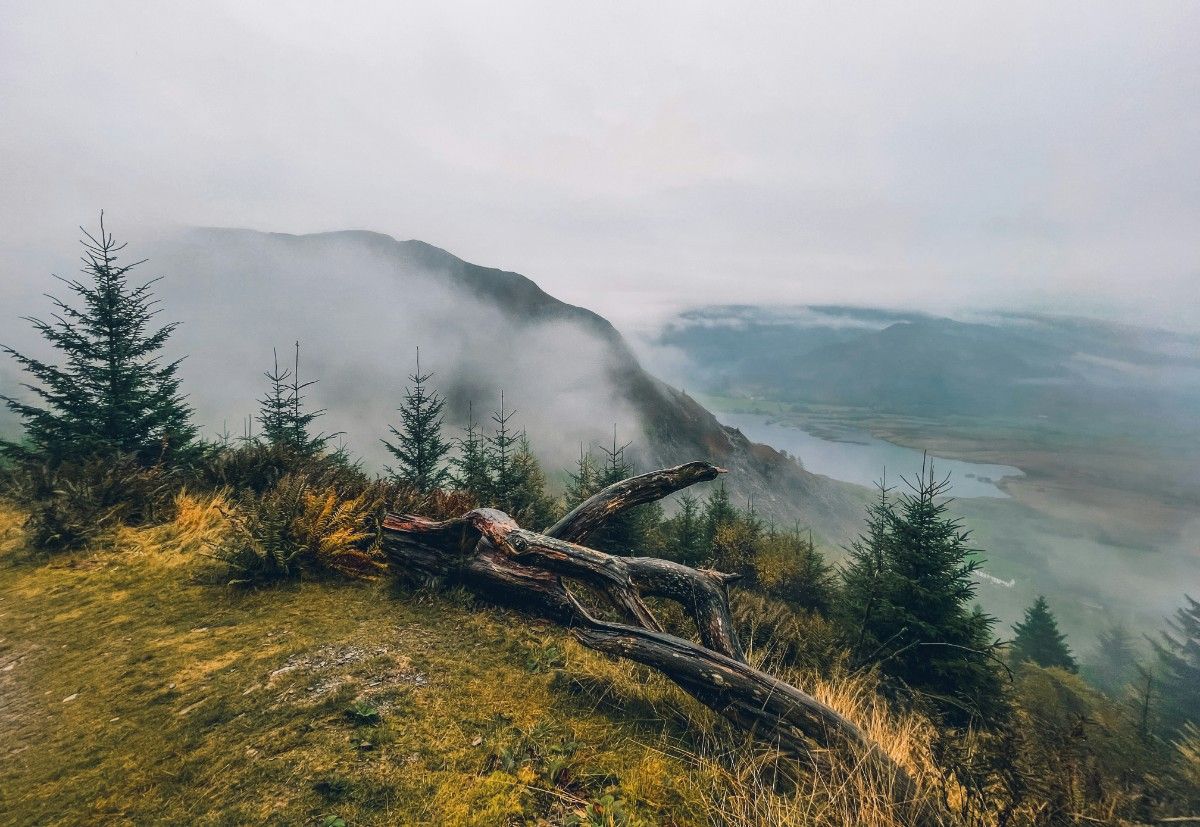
[488,552]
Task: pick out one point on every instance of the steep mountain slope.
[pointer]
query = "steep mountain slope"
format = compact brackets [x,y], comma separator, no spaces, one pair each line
[362,302]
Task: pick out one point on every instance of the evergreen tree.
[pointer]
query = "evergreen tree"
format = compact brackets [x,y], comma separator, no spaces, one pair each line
[921,627]
[501,449]
[281,413]
[472,465]
[718,511]
[686,532]
[637,530]
[528,502]
[615,466]
[419,448]
[112,394]
[863,574]
[1115,663]
[274,409]
[1177,675]
[1038,639]
[584,481]
[804,579]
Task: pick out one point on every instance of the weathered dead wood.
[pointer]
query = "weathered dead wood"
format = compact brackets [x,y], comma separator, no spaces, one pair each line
[489,553]
[485,549]
[592,513]
[702,592]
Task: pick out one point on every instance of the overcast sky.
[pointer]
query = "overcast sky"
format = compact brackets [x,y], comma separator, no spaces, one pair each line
[638,156]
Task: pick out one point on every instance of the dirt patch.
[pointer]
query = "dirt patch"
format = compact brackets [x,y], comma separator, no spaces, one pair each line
[330,667]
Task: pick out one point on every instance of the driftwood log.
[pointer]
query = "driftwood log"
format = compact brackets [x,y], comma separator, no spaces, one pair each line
[486,551]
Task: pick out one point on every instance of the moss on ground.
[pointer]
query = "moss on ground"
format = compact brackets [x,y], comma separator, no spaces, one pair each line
[135,689]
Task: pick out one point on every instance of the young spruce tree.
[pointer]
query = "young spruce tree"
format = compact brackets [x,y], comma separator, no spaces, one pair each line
[919,622]
[686,532]
[284,421]
[584,481]
[1177,672]
[111,393]
[419,448]
[472,470]
[1038,639]
[501,448]
[528,502]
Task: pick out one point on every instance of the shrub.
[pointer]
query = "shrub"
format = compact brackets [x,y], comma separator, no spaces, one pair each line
[780,635]
[73,503]
[256,467]
[790,568]
[298,526]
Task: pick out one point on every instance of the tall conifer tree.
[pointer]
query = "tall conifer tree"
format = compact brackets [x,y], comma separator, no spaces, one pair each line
[922,627]
[472,470]
[1038,639]
[1177,652]
[501,449]
[111,393]
[419,448]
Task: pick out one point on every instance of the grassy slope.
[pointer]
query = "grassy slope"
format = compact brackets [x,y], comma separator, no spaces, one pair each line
[132,691]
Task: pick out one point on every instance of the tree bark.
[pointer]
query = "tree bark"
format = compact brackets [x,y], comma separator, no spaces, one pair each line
[488,552]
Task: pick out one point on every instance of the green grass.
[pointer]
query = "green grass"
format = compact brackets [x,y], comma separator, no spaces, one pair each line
[135,690]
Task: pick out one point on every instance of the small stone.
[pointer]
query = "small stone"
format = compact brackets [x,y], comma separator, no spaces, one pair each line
[70,697]
[477,742]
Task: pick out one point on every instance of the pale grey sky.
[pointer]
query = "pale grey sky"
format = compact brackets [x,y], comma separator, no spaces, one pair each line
[636,156]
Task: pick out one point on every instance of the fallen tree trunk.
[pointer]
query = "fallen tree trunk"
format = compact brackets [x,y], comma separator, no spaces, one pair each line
[488,552]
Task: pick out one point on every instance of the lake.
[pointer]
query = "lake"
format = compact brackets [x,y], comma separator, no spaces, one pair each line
[861,458]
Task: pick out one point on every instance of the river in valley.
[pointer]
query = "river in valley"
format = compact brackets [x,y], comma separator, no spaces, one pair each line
[860,458]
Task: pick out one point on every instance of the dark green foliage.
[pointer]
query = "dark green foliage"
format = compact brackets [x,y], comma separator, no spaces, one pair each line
[112,395]
[718,511]
[1038,639]
[285,422]
[789,567]
[908,596]
[72,503]
[636,531]
[527,502]
[501,448]
[419,449]
[472,469]
[863,575]
[685,532]
[584,481]
[1115,662]
[1177,667]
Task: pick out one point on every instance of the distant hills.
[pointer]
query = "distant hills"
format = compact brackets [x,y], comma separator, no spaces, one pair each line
[1080,371]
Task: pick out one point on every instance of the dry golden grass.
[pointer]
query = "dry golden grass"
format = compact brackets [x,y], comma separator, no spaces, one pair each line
[140,693]
[200,523]
[753,788]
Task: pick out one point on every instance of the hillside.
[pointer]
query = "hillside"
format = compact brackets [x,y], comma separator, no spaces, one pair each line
[568,372]
[135,687]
